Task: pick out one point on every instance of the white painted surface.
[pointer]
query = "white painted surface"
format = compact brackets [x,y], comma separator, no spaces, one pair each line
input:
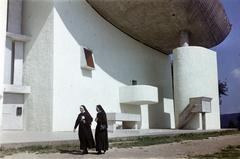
[128,120]
[144,117]
[195,75]
[3,22]
[10,119]
[138,94]
[52,65]
[38,64]
[201,104]
[118,60]
[18,63]
[123,117]
[8,62]
[169,112]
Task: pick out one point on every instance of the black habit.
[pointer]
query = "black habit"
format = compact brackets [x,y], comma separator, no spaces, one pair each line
[84,131]
[101,134]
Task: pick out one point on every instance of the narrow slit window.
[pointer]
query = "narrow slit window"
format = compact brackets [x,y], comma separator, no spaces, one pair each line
[89,58]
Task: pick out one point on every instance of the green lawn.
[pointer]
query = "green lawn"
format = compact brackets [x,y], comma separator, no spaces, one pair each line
[230,152]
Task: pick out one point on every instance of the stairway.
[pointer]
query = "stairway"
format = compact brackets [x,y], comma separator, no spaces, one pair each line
[196,105]
[186,115]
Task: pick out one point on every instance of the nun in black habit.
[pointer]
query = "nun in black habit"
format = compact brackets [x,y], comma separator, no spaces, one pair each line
[101,133]
[83,123]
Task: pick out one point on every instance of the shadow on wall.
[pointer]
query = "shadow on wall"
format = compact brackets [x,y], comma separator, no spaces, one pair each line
[32,22]
[131,109]
[163,120]
[196,119]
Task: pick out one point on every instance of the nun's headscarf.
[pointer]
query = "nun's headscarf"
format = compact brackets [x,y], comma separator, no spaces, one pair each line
[100,108]
[85,109]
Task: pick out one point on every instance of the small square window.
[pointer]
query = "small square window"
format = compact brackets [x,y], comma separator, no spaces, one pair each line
[19,111]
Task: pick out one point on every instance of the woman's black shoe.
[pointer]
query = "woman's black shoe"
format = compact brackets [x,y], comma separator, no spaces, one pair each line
[99,152]
[85,152]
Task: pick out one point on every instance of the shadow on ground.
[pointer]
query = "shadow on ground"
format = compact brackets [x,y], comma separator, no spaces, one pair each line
[75,152]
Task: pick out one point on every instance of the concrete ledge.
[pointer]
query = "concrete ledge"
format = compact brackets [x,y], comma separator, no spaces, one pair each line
[123,117]
[18,37]
[138,94]
[17,89]
[132,119]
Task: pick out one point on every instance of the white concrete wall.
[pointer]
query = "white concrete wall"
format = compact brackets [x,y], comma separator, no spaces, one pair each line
[10,119]
[138,94]
[3,22]
[38,64]
[7,61]
[168,105]
[119,59]
[195,75]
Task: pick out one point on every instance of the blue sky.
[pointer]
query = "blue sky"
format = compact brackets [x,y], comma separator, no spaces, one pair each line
[228,55]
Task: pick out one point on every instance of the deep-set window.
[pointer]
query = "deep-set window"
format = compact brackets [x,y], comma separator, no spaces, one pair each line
[19,111]
[89,58]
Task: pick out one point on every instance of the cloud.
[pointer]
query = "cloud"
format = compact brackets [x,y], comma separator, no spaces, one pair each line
[236,73]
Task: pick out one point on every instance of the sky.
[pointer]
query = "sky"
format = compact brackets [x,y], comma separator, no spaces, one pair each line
[228,56]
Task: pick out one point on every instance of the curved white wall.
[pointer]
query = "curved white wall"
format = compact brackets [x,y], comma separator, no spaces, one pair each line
[195,75]
[118,60]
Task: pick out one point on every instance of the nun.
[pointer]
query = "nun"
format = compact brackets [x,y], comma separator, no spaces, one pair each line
[85,135]
[101,133]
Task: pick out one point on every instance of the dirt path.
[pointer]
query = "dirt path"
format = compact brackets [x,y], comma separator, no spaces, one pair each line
[172,150]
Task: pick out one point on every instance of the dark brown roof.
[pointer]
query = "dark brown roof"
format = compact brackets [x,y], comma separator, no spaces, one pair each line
[158,23]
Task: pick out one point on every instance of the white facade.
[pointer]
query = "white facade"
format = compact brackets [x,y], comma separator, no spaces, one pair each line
[53,84]
[61,85]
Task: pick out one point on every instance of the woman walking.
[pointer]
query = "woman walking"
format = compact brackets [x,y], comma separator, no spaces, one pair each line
[83,123]
[101,134]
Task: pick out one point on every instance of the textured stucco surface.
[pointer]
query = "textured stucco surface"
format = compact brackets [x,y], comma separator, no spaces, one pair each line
[38,64]
[195,75]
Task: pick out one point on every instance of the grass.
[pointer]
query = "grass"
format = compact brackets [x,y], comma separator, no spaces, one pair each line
[153,140]
[230,152]
[41,149]
[119,143]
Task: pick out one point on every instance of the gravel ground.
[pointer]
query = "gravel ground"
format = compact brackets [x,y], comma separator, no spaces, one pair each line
[172,150]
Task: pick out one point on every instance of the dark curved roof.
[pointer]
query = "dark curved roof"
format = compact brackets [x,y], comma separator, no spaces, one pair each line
[158,23]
